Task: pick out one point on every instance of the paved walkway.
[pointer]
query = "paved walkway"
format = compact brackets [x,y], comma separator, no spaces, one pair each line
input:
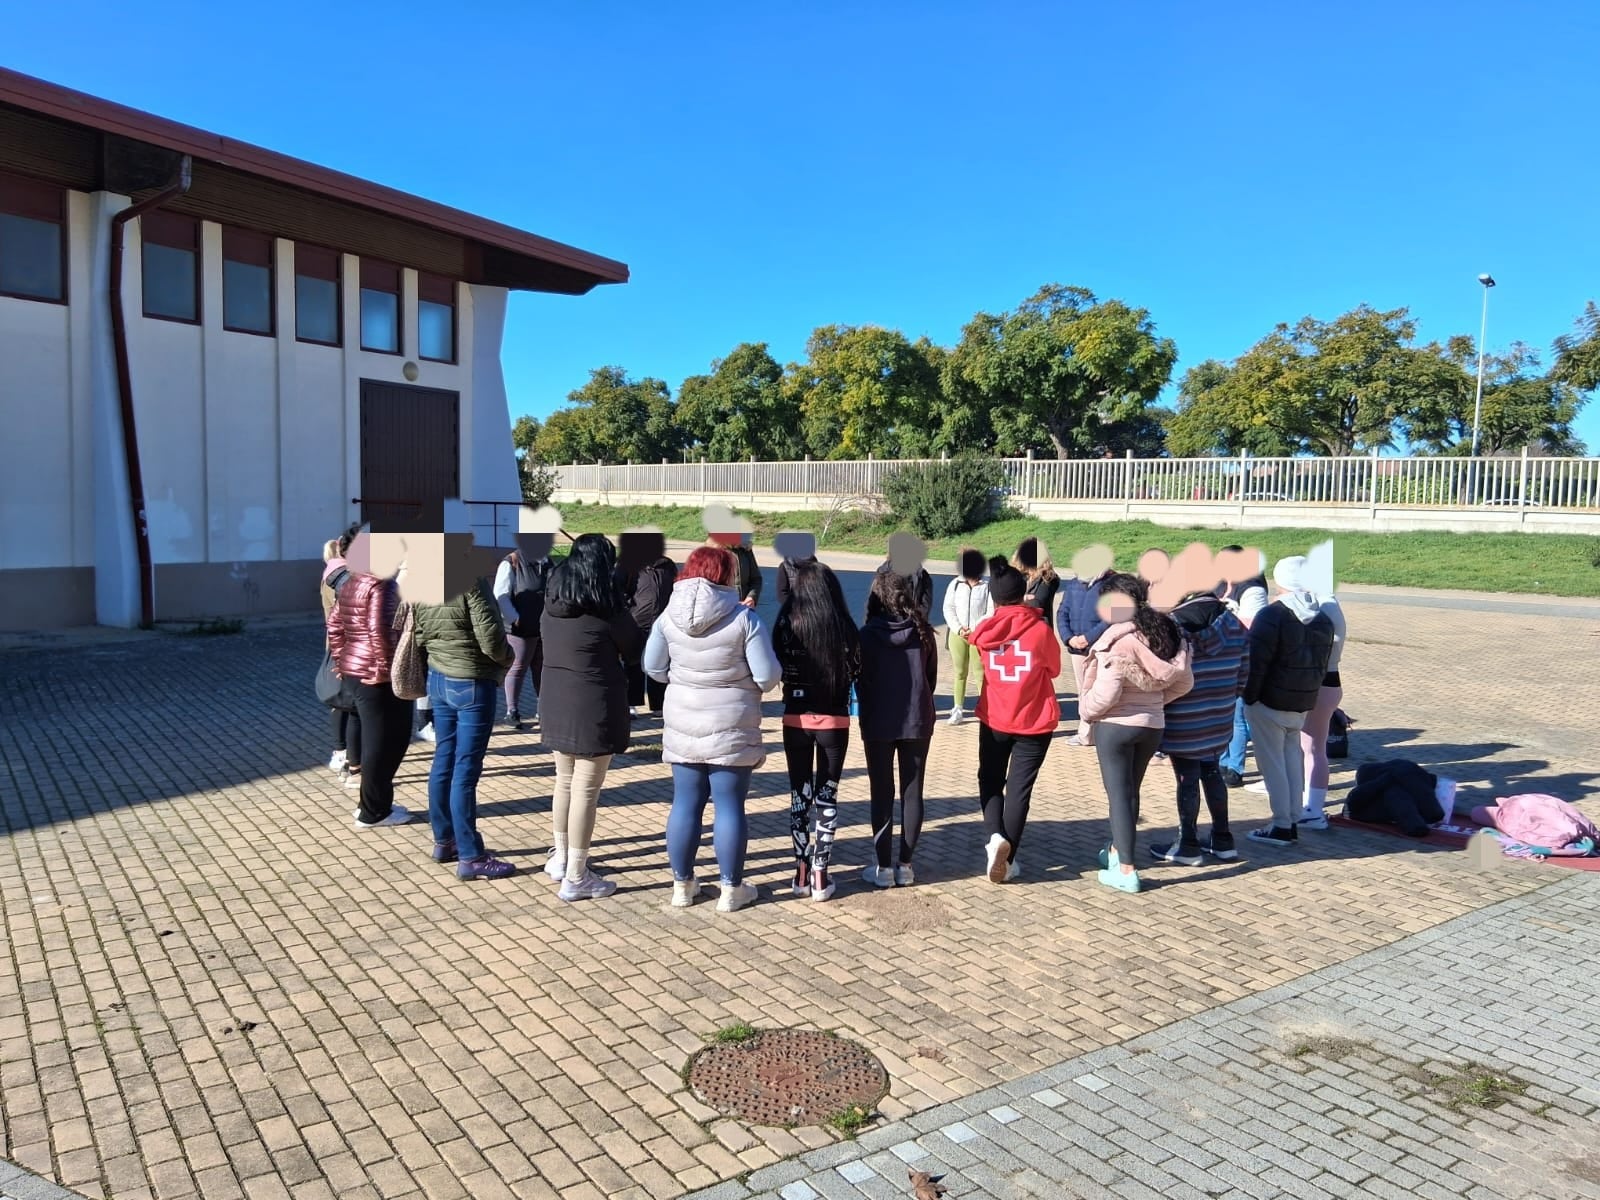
[1359,1080]
[215,987]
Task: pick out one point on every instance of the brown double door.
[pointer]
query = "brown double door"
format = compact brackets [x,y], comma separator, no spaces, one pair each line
[410,451]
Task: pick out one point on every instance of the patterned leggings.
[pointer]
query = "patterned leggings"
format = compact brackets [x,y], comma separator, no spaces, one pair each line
[816,762]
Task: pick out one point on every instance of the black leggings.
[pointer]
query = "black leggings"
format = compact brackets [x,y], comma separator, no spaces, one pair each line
[1125,752]
[385,735]
[1197,775]
[347,735]
[641,687]
[912,754]
[1008,765]
[816,763]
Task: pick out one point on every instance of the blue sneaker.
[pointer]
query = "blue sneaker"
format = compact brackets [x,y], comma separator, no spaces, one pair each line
[484,868]
[445,852]
[1115,877]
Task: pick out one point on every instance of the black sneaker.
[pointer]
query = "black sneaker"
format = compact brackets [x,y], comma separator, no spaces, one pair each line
[1232,778]
[1184,856]
[1273,836]
[513,721]
[1221,848]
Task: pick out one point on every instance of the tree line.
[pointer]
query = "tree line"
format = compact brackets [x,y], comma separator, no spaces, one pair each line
[1067,375]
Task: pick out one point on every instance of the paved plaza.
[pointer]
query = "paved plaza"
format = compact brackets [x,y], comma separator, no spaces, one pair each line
[218,988]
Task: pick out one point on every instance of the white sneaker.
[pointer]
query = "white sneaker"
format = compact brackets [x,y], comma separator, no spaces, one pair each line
[429,734]
[736,897]
[877,876]
[824,890]
[684,892]
[956,716]
[337,762]
[997,850]
[349,780]
[397,816]
[590,887]
[555,865]
[1013,870]
[904,876]
[1312,820]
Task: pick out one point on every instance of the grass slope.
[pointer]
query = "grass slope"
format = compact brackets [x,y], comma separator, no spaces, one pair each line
[1549,564]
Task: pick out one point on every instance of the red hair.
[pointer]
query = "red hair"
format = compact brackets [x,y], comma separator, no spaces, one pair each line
[710,562]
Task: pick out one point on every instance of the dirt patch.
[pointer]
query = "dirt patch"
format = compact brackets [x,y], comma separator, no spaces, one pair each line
[1325,1046]
[902,910]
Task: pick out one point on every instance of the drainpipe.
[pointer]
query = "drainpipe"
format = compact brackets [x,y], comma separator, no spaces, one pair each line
[130,436]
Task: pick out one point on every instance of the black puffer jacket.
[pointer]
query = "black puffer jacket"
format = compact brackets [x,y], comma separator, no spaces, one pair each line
[1398,793]
[584,690]
[1290,643]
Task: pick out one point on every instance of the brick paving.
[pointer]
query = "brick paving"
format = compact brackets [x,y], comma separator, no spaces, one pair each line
[1344,1083]
[218,988]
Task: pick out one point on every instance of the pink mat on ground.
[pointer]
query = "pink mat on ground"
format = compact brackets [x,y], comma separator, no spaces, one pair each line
[1457,835]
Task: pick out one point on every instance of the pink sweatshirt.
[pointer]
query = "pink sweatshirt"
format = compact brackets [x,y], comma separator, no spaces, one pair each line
[1124,683]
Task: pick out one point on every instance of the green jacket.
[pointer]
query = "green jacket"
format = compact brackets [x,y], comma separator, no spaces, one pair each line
[465,638]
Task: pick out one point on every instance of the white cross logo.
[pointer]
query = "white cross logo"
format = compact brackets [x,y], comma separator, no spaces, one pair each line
[1011,662]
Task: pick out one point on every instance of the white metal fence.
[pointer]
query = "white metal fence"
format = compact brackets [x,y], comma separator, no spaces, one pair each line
[1522,482]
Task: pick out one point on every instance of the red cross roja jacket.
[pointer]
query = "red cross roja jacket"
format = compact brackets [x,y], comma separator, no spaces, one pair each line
[1021,659]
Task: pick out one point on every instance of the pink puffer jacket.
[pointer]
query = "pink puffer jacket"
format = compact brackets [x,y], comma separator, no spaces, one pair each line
[361,636]
[1124,683]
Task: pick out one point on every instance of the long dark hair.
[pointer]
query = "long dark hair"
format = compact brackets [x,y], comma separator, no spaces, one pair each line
[814,619]
[1159,631]
[892,599]
[587,579]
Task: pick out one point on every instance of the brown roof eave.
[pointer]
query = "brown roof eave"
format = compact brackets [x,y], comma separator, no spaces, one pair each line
[51,99]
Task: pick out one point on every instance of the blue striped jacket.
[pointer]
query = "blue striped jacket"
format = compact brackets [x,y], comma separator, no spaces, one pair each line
[1200,723]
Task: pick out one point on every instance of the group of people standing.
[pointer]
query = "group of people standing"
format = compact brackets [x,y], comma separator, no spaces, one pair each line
[604,634]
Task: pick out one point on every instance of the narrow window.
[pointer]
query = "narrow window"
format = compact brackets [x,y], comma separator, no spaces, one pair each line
[380,307]
[246,282]
[316,295]
[33,240]
[171,266]
[436,318]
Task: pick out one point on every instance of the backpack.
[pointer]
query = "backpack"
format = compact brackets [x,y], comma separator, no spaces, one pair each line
[1339,734]
[1541,825]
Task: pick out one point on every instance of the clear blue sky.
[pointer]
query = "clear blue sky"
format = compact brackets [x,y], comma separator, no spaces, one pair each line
[764,171]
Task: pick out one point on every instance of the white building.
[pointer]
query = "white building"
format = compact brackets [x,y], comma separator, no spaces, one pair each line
[295,349]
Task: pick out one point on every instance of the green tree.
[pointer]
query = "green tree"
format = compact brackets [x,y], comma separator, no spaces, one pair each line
[1062,362]
[863,390]
[741,409]
[1324,387]
[612,419]
[1521,405]
[1578,355]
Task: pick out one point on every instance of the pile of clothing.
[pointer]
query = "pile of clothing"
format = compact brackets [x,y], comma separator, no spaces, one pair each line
[1402,794]
[1532,825]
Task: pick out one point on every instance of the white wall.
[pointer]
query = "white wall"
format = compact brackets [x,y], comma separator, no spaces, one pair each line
[46,486]
[249,445]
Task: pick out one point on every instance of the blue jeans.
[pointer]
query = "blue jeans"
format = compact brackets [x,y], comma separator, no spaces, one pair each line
[1233,757]
[726,787]
[463,714]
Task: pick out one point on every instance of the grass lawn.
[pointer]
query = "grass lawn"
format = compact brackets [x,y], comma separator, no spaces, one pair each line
[1549,564]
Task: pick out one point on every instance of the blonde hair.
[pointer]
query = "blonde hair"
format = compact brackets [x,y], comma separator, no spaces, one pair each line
[330,549]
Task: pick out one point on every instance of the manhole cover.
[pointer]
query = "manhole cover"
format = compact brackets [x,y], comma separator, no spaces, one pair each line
[787,1077]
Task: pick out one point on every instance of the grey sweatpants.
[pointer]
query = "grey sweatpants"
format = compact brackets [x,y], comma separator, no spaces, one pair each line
[1276,735]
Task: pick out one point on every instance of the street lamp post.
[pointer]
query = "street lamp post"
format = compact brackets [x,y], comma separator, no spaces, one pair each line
[1477,405]
[1483,329]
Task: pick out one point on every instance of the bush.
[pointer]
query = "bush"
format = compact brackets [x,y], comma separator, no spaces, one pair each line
[944,499]
[539,482]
